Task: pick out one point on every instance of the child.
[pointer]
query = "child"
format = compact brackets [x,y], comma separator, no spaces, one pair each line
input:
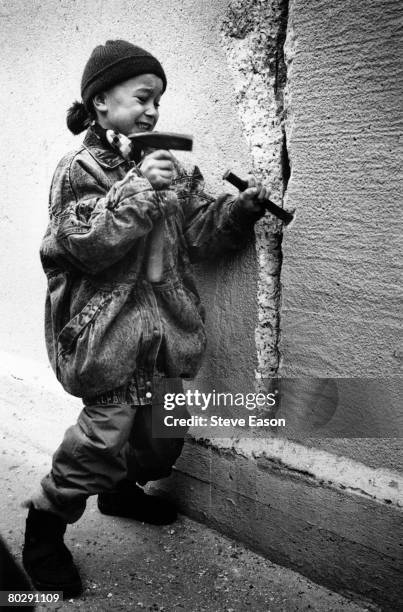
[110,331]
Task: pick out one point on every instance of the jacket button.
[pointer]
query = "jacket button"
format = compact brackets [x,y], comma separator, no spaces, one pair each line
[149,395]
[148,383]
[156,333]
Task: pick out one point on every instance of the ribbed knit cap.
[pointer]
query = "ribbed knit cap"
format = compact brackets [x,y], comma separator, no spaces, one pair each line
[115,62]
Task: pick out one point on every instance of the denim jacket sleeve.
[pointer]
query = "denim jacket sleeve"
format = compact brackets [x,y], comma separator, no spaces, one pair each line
[96,227]
[214,226]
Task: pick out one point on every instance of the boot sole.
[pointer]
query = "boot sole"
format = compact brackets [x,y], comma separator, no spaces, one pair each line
[72,589]
[135,518]
[68,592]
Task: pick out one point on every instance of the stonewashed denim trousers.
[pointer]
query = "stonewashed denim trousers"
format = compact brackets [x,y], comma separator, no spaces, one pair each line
[112,440]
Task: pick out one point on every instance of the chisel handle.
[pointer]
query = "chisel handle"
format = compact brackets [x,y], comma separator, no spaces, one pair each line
[240,184]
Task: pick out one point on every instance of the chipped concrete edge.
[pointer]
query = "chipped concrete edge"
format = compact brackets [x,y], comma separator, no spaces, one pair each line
[294,459]
[252,36]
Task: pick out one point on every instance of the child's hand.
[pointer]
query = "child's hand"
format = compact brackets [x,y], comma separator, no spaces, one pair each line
[251,199]
[158,168]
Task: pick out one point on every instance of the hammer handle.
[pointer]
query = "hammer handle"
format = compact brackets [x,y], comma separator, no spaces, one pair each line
[162,140]
[155,255]
[240,184]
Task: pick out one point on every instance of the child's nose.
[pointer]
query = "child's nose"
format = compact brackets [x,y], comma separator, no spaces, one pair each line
[151,110]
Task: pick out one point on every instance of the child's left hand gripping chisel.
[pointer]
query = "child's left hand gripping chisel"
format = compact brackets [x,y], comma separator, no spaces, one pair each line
[240,184]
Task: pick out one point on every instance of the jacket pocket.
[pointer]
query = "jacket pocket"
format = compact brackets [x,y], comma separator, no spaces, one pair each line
[98,348]
[72,330]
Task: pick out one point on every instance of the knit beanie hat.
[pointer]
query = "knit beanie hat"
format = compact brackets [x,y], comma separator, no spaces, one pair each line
[108,65]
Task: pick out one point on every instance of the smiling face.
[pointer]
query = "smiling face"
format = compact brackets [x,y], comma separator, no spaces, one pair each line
[130,107]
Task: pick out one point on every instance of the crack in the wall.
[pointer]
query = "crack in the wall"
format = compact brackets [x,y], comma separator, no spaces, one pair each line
[253,35]
[281,68]
[285,162]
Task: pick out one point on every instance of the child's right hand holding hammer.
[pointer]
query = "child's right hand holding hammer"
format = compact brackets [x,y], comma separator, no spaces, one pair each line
[158,168]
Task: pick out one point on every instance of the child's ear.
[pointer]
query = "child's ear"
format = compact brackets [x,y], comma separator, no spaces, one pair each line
[99,102]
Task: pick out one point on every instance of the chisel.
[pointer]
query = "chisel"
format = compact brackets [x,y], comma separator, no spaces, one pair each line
[240,184]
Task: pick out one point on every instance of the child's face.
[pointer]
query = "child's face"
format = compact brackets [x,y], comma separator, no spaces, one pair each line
[132,106]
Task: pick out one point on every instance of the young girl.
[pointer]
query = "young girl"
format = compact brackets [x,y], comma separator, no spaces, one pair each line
[111,329]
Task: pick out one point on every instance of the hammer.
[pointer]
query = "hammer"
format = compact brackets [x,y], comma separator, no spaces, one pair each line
[240,184]
[160,140]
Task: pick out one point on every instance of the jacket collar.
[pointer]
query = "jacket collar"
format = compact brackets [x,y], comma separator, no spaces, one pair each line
[100,151]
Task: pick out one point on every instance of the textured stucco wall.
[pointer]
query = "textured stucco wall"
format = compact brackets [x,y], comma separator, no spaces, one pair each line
[342,264]
[44,46]
[341,291]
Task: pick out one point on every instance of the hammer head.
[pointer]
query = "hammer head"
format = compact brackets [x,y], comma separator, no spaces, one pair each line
[163,140]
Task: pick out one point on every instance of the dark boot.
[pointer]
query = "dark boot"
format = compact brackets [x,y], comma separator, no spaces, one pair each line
[130,501]
[46,559]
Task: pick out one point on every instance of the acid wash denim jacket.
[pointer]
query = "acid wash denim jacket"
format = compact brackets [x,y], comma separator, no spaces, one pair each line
[103,319]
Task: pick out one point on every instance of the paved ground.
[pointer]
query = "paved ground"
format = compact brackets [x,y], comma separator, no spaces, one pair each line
[131,566]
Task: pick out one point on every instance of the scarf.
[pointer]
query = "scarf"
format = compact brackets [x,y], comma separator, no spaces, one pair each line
[120,143]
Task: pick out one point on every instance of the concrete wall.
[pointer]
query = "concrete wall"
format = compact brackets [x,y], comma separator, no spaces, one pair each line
[341,292]
[341,262]
[313,111]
